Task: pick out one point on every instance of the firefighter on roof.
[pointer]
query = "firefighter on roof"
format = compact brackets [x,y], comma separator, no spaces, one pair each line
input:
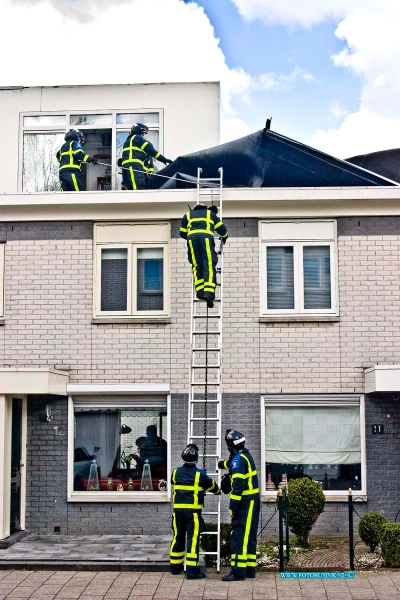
[134,156]
[189,485]
[71,156]
[197,228]
[244,507]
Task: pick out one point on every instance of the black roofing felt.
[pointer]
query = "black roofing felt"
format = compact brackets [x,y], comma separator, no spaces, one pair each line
[385,162]
[267,159]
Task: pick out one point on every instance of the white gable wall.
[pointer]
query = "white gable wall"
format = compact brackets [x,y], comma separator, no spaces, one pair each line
[191,115]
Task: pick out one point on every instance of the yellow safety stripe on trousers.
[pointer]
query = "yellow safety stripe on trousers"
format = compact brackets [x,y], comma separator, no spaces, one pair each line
[191,563]
[188,487]
[192,553]
[233,555]
[133,180]
[240,564]
[175,530]
[190,506]
[251,563]
[176,561]
[247,530]
[210,266]
[253,556]
[75,182]
[177,553]
[198,283]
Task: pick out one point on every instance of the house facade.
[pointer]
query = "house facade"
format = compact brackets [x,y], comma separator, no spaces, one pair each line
[95,316]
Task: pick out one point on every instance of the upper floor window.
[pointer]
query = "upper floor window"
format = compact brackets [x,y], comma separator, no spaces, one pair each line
[132,269]
[105,134]
[2,261]
[298,268]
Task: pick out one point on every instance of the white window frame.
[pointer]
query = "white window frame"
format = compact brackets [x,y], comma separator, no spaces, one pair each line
[304,400]
[113,126]
[2,277]
[115,496]
[308,236]
[148,236]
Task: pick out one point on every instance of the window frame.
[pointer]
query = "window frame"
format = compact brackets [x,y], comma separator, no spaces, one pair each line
[132,280]
[298,244]
[116,496]
[67,115]
[2,277]
[307,400]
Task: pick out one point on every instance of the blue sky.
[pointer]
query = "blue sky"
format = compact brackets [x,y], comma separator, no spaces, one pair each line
[327,72]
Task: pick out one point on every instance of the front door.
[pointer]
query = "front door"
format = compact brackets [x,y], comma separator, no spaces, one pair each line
[16,455]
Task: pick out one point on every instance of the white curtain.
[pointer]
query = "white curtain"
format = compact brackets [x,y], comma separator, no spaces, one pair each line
[306,435]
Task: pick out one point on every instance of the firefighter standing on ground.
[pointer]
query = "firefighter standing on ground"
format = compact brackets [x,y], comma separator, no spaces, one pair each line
[197,228]
[71,156]
[244,507]
[133,158]
[189,485]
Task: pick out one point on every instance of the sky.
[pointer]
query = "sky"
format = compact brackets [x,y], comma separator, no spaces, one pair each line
[325,71]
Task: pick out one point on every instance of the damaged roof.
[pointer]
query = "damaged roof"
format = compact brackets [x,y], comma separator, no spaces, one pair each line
[267,159]
[384,162]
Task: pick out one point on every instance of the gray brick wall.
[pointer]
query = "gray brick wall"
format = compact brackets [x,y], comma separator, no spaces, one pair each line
[48,323]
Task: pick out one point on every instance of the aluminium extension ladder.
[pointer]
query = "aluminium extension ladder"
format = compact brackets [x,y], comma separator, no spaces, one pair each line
[205,384]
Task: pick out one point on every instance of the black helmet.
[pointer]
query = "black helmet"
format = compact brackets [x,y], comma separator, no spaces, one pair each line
[190,454]
[234,439]
[213,209]
[139,128]
[74,134]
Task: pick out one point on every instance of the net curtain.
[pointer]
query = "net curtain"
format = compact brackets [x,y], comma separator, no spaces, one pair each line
[306,435]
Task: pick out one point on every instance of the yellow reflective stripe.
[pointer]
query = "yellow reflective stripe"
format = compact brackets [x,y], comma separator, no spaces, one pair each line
[191,563]
[225,235]
[196,532]
[74,181]
[248,492]
[133,180]
[173,485]
[242,557]
[210,265]
[132,160]
[232,497]
[251,563]
[251,472]
[85,158]
[157,155]
[211,487]
[176,561]
[247,530]
[218,224]
[177,553]
[183,229]
[233,555]
[192,506]
[197,488]
[175,530]
[70,167]
[239,564]
[210,233]
[241,476]
[188,487]
[251,556]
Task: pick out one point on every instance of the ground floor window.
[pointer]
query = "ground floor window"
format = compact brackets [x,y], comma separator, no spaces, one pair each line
[321,439]
[119,448]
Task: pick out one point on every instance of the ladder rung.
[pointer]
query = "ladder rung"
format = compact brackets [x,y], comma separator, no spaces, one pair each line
[209,532]
[203,401]
[209,513]
[206,349]
[209,455]
[206,332]
[206,316]
[200,300]
[210,383]
[205,366]
[204,419]
[205,437]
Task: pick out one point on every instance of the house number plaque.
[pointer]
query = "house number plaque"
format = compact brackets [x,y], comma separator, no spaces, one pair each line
[377,429]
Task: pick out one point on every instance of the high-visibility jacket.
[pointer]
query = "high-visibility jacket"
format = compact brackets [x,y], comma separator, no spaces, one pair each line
[202,221]
[134,150]
[244,478]
[189,485]
[71,156]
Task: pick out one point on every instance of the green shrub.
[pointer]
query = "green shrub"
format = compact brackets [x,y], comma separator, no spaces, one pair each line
[306,503]
[208,543]
[390,544]
[369,529]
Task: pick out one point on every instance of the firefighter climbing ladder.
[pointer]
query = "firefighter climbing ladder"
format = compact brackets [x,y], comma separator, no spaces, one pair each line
[205,384]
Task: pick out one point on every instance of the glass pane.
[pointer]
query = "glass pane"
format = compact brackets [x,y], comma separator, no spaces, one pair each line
[40,166]
[125,445]
[152,137]
[150,279]
[323,443]
[114,279]
[317,277]
[50,120]
[131,118]
[91,120]
[280,284]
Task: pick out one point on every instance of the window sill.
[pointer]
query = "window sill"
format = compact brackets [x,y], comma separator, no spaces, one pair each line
[119,497]
[299,318]
[111,320]
[333,498]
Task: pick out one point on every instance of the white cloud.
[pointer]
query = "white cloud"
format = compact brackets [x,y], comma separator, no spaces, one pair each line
[336,111]
[64,42]
[369,30]
[233,128]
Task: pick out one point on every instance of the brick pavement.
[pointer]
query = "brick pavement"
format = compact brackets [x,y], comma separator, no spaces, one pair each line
[73,585]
